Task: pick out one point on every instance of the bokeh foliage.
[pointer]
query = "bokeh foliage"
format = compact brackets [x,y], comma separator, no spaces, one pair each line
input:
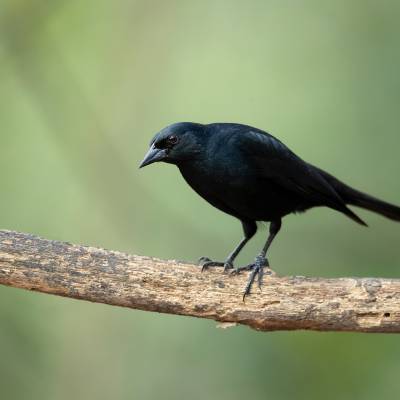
[84,86]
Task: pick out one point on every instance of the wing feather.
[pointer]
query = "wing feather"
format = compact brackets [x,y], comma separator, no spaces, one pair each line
[278,163]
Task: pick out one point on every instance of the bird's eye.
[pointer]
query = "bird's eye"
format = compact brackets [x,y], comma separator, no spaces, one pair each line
[172,139]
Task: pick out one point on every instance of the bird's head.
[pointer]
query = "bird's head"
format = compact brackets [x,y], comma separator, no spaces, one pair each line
[175,144]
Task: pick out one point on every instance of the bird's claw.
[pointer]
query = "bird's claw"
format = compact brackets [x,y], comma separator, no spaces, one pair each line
[205,263]
[257,270]
[209,264]
[203,260]
[249,267]
[227,266]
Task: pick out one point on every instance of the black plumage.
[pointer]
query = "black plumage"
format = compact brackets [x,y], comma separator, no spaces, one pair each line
[253,176]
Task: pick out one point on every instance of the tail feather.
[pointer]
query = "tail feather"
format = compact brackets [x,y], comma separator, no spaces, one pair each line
[353,216]
[359,199]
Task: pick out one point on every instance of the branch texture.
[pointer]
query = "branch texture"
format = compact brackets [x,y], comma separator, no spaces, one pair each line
[285,303]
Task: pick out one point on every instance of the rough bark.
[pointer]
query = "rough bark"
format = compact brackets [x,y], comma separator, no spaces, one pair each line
[285,303]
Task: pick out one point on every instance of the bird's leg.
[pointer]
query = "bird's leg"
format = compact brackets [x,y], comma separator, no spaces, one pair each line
[249,229]
[257,268]
[205,262]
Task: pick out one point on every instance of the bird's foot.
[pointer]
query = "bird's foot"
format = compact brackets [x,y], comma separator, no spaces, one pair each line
[257,270]
[206,263]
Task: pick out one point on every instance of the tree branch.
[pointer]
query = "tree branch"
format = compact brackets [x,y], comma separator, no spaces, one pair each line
[285,303]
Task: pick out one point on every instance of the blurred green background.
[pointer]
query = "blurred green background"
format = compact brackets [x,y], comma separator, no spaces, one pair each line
[85,85]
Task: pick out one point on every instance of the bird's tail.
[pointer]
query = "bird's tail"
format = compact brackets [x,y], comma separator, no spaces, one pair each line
[356,198]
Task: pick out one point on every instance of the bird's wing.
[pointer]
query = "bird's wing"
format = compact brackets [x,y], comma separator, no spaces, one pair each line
[278,163]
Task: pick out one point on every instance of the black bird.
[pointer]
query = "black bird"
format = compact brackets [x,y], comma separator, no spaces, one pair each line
[253,176]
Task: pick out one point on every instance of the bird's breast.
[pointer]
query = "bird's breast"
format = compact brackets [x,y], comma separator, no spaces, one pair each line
[239,191]
[231,190]
[219,178]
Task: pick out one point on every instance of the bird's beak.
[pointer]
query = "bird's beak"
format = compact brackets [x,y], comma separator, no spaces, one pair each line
[153,155]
